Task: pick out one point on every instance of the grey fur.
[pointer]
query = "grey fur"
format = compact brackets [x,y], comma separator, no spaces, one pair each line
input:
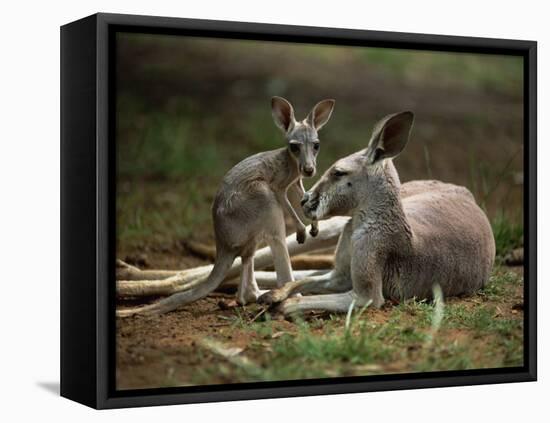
[401,240]
[251,203]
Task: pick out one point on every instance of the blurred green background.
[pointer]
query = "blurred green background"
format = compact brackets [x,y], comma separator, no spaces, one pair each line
[188,109]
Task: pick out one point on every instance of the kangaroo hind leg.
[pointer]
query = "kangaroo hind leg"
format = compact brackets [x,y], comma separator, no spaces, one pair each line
[281,260]
[275,236]
[248,291]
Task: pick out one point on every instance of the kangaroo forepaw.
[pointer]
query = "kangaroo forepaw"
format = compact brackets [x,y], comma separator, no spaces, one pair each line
[314,231]
[301,236]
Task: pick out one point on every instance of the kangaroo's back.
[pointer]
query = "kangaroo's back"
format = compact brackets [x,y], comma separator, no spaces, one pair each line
[258,167]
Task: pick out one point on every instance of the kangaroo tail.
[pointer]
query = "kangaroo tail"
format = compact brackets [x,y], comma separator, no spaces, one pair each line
[219,271]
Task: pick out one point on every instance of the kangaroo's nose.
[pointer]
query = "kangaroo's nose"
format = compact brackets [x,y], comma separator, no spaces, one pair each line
[305,198]
[308,170]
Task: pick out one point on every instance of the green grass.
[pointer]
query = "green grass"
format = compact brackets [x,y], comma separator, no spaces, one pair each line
[472,71]
[508,234]
[501,284]
[475,334]
[167,144]
[150,215]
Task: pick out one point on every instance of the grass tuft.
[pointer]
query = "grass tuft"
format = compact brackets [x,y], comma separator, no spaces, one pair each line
[508,234]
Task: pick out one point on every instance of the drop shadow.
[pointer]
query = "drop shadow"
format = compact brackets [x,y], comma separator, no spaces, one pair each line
[51,387]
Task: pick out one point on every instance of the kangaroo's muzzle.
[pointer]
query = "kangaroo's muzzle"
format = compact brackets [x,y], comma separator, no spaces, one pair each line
[310,202]
[308,171]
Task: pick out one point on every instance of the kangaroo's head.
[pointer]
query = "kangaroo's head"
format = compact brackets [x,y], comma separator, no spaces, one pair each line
[352,180]
[302,138]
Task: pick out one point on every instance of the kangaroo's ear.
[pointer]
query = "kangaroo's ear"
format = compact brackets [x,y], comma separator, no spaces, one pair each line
[390,136]
[320,114]
[283,113]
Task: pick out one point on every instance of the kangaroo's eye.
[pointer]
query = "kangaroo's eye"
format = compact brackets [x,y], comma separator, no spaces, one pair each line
[316,146]
[339,173]
[294,147]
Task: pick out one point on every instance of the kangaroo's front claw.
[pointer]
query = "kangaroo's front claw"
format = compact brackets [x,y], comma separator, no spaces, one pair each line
[301,236]
[314,231]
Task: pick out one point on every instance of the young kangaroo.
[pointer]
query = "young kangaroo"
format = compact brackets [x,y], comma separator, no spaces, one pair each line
[398,244]
[250,204]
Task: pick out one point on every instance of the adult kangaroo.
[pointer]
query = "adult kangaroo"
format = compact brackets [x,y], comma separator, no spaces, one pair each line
[251,202]
[396,246]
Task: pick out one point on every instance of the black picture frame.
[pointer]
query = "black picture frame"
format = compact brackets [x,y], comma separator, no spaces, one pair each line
[87,210]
